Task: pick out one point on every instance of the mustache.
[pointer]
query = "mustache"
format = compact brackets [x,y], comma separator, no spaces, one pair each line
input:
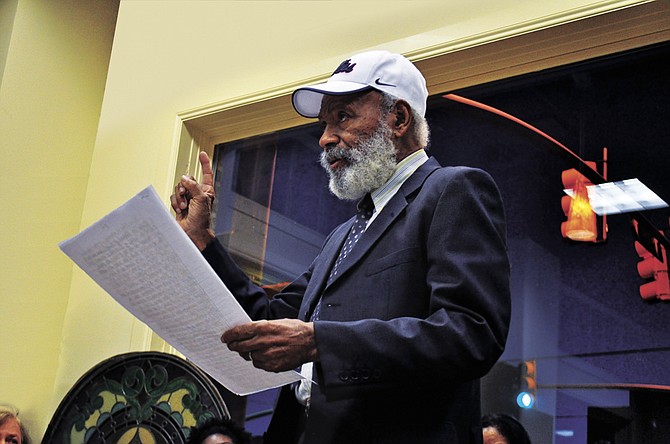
[337,153]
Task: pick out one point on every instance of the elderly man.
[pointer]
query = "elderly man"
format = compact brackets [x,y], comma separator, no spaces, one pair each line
[407,304]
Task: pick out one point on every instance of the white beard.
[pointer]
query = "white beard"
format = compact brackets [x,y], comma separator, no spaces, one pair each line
[370,163]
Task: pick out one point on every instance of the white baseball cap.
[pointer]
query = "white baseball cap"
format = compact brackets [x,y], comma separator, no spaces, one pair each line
[380,70]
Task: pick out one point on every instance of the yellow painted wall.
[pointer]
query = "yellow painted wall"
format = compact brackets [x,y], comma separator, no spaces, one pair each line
[168,57]
[55,57]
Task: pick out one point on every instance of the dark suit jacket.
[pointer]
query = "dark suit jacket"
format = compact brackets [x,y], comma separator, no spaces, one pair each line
[418,313]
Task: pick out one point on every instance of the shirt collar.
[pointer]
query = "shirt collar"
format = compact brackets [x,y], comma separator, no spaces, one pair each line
[401,173]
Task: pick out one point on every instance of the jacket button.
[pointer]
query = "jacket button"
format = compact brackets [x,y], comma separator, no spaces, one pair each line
[344,376]
[355,375]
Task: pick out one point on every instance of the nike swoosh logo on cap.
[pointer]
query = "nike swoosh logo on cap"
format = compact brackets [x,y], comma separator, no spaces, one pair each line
[377,82]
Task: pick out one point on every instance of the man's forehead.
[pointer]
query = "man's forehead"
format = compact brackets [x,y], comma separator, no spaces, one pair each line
[330,102]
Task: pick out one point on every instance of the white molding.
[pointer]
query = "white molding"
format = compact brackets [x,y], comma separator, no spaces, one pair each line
[440,49]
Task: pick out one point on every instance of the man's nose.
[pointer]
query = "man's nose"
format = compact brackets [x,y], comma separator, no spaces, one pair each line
[328,138]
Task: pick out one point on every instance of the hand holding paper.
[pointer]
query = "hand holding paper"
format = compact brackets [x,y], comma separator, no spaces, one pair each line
[135,253]
[277,345]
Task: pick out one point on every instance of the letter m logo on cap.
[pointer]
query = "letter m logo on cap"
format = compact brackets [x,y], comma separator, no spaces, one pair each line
[345,66]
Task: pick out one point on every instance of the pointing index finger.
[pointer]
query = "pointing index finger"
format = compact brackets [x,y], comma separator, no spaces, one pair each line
[207,173]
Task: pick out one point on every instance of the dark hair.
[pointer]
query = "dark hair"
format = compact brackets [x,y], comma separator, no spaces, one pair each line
[511,429]
[8,413]
[224,426]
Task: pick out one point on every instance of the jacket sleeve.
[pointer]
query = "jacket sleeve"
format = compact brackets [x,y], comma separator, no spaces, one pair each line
[252,297]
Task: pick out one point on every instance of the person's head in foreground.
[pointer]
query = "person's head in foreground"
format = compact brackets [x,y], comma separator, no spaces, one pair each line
[12,430]
[372,110]
[219,431]
[503,429]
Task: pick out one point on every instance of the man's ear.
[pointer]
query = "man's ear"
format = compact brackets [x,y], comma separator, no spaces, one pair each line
[402,118]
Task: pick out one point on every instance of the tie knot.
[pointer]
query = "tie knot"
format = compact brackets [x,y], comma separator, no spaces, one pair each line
[366,206]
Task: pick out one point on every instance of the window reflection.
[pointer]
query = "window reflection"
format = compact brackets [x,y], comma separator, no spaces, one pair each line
[273,208]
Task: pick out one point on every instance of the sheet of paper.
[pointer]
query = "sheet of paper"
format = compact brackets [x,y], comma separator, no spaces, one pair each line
[143,259]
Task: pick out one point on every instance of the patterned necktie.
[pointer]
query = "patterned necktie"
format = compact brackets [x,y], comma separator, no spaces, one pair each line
[363,214]
[364,211]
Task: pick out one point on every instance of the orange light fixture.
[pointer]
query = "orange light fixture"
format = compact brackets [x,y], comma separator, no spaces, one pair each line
[581,224]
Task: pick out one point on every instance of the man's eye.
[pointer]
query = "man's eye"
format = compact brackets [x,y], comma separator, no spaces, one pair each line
[341,116]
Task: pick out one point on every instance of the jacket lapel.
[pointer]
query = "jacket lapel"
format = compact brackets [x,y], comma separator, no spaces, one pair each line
[382,222]
[324,264]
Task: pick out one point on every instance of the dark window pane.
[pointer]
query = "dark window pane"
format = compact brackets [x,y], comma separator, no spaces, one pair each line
[576,308]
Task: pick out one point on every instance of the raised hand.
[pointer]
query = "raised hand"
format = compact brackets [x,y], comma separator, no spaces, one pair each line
[192,203]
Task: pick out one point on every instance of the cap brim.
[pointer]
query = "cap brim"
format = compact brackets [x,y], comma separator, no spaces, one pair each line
[307,100]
